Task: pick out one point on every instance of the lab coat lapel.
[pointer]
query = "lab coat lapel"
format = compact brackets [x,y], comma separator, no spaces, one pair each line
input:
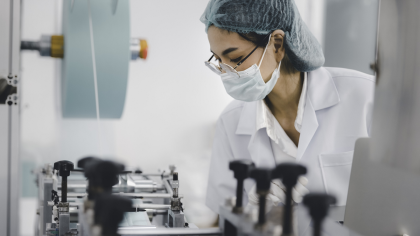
[259,146]
[260,149]
[309,127]
[322,94]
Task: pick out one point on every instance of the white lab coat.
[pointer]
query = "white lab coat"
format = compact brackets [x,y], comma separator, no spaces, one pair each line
[338,111]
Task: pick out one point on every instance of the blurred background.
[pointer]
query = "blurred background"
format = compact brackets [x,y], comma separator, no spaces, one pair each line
[172,100]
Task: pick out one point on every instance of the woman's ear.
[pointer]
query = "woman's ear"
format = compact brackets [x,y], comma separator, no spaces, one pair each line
[278,40]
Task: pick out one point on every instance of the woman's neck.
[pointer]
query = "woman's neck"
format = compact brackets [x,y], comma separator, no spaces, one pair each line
[283,100]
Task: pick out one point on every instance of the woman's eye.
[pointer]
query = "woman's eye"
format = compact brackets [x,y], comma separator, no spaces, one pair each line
[236,60]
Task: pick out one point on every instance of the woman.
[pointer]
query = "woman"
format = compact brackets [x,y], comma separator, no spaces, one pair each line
[288,107]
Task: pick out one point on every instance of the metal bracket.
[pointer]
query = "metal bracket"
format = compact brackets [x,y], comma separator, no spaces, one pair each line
[8,90]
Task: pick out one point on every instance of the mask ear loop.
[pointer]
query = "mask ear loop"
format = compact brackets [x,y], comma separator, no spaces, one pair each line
[264,51]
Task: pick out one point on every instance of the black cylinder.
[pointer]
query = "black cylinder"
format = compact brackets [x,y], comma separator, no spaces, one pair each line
[29,45]
[63,188]
[239,192]
[287,213]
[317,228]
[261,214]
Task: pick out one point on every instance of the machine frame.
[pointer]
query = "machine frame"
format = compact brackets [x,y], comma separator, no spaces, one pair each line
[10,117]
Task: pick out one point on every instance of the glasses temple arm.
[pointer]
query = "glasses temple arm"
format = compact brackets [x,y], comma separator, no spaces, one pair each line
[246,57]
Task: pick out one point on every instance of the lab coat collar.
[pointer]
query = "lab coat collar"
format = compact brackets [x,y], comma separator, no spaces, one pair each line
[248,119]
[321,89]
[322,93]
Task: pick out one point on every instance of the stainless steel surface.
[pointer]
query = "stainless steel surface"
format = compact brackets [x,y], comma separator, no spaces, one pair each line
[145,195]
[396,130]
[45,46]
[382,200]
[246,223]
[184,231]
[385,180]
[157,212]
[140,195]
[64,223]
[134,48]
[168,187]
[47,210]
[176,219]
[152,206]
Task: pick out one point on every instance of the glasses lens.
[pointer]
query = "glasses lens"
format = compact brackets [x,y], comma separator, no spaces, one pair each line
[213,67]
[228,69]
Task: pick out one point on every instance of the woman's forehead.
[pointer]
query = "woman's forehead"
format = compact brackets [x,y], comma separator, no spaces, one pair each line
[221,40]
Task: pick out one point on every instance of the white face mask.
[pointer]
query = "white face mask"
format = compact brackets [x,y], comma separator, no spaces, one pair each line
[250,86]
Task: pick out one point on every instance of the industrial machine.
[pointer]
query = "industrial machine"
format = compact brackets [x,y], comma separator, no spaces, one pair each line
[76,200]
[100,197]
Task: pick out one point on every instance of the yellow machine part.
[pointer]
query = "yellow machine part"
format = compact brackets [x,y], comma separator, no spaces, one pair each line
[143,49]
[57,46]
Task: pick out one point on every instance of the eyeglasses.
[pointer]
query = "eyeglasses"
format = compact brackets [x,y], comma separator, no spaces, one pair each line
[225,68]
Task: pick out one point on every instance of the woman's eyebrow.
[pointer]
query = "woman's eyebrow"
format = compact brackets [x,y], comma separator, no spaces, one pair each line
[229,50]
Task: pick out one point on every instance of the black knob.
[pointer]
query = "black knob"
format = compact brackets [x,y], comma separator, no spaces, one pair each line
[82,162]
[102,175]
[109,212]
[318,204]
[241,170]
[289,174]
[262,177]
[64,168]
[175,176]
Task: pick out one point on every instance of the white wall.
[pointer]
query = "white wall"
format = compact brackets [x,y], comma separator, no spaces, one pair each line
[172,105]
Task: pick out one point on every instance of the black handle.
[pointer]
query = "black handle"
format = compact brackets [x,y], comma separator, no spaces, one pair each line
[109,212]
[102,175]
[318,204]
[241,170]
[289,174]
[262,177]
[64,168]
[85,160]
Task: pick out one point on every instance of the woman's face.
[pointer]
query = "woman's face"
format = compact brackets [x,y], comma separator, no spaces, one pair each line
[230,48]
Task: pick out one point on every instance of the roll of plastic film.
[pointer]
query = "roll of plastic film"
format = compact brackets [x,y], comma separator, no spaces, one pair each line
[111,31]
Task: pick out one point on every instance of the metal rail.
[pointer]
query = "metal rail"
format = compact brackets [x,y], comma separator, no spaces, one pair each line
[173,231]
[139,195]
[152,206]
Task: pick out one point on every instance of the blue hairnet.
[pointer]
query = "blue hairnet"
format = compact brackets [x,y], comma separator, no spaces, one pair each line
[263,17]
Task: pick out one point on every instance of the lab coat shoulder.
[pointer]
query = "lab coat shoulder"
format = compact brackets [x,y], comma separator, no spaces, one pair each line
[336,72]
[356,91]
[351,83]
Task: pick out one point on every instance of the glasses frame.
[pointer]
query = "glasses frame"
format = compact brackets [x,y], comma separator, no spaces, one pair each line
[233,69]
